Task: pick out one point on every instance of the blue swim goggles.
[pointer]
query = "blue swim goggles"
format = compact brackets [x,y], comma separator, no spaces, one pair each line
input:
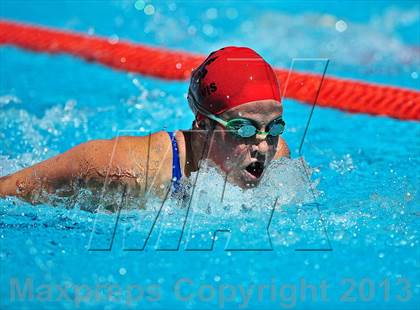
[247,128]
[244,127]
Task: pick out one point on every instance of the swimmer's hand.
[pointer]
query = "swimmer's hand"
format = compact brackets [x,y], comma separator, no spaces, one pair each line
[116,163]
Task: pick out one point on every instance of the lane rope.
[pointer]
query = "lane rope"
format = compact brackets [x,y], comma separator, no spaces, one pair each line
[343,94]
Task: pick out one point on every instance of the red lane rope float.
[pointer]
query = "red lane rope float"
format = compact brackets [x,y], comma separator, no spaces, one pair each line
[344,94]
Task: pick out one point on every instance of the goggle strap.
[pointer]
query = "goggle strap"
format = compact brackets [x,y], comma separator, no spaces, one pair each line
[208,114]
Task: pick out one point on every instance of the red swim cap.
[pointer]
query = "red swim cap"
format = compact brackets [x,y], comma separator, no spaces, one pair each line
[230,77]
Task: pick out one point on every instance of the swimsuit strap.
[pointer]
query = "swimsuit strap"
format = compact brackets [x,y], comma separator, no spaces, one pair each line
[176,166]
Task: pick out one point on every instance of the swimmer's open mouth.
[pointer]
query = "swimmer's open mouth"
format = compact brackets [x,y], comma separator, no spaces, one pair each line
[256,169]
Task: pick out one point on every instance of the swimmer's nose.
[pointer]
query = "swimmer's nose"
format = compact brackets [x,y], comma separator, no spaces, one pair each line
[261,144]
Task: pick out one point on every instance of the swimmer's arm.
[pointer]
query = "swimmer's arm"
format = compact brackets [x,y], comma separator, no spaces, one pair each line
[117,162]
[282,149]
[84,166]
[48,176]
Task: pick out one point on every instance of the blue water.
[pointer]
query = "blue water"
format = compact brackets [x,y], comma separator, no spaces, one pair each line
[360,206]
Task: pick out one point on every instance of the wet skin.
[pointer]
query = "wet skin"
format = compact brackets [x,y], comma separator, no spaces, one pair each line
[143,164]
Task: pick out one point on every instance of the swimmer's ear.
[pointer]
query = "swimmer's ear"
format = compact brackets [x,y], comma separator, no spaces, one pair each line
[202,124]
[195,124]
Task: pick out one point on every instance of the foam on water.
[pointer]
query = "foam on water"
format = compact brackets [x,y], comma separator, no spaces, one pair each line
[284,180]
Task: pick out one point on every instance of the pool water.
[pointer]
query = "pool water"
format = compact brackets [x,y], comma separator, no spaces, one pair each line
[335,228]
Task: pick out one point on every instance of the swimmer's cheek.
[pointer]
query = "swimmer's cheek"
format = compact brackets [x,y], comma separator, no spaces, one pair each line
[286,150]
[282,149]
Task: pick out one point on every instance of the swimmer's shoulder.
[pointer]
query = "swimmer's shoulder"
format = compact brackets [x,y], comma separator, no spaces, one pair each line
[138,144]
[137,156]
[153,150]
[153,140]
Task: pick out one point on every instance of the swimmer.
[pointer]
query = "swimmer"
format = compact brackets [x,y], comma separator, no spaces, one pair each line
[235,97]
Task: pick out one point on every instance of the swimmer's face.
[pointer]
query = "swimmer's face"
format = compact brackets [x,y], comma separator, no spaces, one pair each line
[244,159]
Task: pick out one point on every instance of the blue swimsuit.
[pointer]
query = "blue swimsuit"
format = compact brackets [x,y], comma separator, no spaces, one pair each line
[176,166]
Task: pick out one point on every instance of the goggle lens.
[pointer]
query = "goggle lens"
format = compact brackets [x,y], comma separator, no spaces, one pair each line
[244,128]
[247,131]
[276,129]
